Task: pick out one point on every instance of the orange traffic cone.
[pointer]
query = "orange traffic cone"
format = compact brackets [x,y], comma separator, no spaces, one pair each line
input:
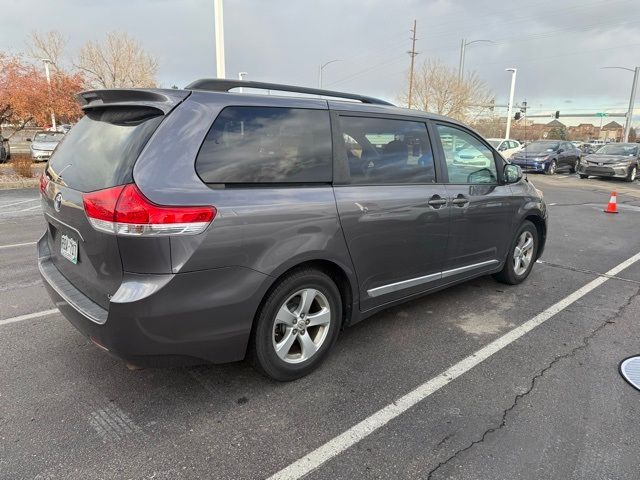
[612,207]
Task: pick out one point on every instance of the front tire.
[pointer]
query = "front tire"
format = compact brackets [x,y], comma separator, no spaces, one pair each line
[583,176]
[521,257]
[632,174]
[551,169]
[297,324]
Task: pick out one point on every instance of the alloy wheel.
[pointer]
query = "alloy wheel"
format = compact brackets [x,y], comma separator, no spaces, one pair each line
[523,253]
[301,325]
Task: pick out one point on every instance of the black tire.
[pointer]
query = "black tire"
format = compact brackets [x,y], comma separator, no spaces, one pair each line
[583,176]
[3,155]
[551,169]
[574,168]
[262,352]
[508,274]
[632,173]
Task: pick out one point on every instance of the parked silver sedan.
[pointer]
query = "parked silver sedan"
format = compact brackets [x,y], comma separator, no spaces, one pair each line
[619,160]
[43,144]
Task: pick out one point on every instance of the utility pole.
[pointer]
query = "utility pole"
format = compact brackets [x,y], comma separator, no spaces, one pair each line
[46,71]
[632,99]
[413,54]
[219,26]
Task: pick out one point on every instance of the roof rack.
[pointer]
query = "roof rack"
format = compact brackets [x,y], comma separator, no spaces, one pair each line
[224,85]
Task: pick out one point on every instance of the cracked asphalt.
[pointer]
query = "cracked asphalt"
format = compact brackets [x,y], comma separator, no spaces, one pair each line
[549,405]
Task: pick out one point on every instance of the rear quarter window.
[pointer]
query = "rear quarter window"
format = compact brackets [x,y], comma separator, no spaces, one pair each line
[101,149]
[248,145]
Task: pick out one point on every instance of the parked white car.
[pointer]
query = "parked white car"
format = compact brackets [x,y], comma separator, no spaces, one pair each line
[506,147]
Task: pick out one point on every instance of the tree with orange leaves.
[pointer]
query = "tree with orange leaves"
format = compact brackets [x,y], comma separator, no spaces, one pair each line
[26,96]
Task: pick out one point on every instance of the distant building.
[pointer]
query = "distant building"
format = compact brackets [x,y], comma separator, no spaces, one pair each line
[612,131]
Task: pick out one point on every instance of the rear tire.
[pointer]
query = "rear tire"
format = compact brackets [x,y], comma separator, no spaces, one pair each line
[521,256]
[296,326]
[581,175]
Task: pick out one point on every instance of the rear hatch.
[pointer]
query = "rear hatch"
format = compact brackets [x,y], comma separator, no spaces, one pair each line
[98,153]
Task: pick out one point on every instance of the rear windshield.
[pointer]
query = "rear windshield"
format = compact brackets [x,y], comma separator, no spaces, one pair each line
[267,145]
[101,149]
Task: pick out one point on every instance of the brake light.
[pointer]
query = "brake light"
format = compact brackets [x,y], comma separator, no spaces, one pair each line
[124,210]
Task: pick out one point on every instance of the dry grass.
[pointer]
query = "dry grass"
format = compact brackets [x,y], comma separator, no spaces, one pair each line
[22,165]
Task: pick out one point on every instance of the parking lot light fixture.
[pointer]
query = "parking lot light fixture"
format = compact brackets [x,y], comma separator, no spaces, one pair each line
[322,68]
[463,50]
[513,71]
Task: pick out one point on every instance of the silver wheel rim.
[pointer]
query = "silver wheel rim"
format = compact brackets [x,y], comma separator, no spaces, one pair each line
[634,172]
[552,168]
[301,326]
[523,253]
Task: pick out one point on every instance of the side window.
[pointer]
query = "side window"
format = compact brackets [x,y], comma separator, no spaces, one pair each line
[468,159]
[384,151]
[267,145]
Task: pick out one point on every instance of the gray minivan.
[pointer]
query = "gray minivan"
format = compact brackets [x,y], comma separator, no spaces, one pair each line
[205,225]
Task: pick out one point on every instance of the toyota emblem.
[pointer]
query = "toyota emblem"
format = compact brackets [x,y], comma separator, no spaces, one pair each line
[57,201]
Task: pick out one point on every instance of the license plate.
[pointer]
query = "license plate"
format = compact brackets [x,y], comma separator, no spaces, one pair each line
[69,248]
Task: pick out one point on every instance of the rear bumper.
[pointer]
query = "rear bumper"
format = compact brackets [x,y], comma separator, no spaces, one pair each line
[165,319]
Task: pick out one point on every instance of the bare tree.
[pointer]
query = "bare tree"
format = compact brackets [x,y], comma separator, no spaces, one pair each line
[437,89]
[118,62]
[50,45]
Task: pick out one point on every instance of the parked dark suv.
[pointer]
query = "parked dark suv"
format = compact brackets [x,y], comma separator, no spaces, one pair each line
[204,225]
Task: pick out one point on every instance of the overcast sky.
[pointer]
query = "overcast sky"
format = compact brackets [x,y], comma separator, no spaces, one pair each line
[558,46]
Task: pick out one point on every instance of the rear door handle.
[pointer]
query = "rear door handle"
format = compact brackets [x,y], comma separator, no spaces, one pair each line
[437,201]
[460,201]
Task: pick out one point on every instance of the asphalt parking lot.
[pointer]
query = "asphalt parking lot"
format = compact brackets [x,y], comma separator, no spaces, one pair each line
[547,404]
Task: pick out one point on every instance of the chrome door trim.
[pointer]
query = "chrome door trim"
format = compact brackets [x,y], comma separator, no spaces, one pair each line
[412,282]
[467,268]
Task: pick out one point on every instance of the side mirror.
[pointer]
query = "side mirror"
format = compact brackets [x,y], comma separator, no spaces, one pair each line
[560,150]
[512,173]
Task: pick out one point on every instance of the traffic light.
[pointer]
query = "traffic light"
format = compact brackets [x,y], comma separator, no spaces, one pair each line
[517,116]
[557,114]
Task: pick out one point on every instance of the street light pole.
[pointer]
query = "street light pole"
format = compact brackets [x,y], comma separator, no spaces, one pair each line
[322,68]
[46,71]
[632,99]
[241,76]
[463,49]
[513,71]
[219,26]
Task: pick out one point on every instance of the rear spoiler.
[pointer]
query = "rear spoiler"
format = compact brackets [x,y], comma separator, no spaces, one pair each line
[161,99]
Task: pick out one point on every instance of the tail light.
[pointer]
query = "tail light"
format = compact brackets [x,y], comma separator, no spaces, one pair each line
[44,182]
[124,210]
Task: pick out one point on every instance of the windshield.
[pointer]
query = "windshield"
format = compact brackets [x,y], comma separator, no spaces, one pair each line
[494,143]
[542,147]
[627,150]
[48,137]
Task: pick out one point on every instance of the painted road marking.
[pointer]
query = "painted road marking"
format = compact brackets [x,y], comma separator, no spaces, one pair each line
[15,245]
[28,316]
[20,211]
[18,203]
[366,427]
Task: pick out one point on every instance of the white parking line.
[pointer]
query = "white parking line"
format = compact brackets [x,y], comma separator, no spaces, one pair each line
[28,316]
[17,203]
[23,210]
[358,432]
[15,245]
